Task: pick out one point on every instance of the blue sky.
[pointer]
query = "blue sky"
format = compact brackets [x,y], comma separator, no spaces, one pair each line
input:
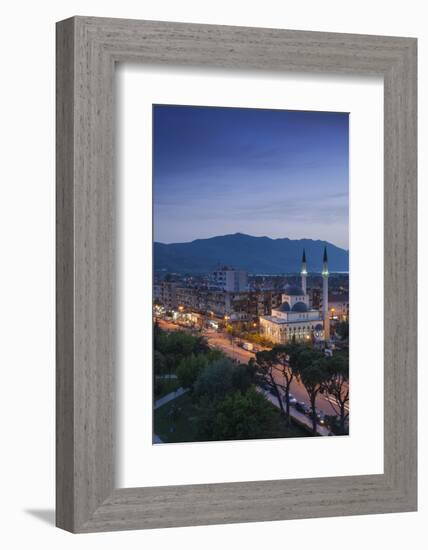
[257,171]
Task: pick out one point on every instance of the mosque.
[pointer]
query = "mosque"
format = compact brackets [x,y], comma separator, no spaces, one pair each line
[293,320]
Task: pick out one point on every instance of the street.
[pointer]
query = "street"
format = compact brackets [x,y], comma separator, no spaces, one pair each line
[223,342]
[226,344]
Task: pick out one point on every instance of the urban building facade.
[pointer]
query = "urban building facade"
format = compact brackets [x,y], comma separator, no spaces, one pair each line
[338,305]
[237,306]
[166,294]
[229,279]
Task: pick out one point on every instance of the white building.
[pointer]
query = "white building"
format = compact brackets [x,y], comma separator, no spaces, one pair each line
[293,319]
[229,279]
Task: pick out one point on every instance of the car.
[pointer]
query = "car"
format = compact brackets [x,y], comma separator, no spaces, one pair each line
[292,400]
[302,407]
[321,418]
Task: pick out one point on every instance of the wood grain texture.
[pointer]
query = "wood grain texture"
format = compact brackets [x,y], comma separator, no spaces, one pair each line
[87,49]
[64,276]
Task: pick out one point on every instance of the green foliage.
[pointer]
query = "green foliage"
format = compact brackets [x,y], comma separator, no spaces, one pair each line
[183,420]
[313,375]
[175,422]
[243,377]
[214,354]
[181,344]
[342,330]
[215,380]
[189,369]
[157,335]
[288,353]
[306,356]
[223,402]
[174,347]
[238,416]
[159,363]
[163,386]
[256,338]
[337,385]
[264,367]
[264,360]
[311,366]
[338,364]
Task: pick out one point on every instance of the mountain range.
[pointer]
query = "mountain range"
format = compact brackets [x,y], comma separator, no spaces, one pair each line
[257,255]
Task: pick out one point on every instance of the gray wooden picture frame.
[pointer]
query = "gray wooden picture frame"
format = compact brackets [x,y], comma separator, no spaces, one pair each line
[87,50]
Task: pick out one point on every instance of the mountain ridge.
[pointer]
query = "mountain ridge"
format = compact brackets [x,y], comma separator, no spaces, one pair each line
[254,254]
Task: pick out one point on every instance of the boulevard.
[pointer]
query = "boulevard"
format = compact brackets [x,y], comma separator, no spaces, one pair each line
[229,346]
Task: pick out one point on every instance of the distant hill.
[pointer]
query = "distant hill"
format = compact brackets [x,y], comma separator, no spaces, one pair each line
[254,254]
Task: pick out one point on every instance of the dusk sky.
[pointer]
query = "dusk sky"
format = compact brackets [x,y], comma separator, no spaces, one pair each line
[262,172]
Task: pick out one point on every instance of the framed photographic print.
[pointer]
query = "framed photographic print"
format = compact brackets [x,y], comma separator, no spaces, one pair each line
[236,274]
[233,334]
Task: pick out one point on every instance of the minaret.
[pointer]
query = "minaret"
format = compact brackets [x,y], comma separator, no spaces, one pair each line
[325,296]
[304,272]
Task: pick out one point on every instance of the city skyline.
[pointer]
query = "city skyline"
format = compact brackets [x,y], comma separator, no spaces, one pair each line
[211,165]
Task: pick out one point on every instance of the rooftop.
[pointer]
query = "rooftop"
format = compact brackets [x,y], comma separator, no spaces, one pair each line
[293,290]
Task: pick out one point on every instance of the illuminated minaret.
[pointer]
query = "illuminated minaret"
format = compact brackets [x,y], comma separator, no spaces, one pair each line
[304,272]
[325,296]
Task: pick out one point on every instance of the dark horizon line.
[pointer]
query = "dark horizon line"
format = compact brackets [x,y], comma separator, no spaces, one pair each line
[254,237]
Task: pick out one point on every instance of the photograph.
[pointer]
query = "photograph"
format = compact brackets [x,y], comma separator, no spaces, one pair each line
[210,237]
[250,273]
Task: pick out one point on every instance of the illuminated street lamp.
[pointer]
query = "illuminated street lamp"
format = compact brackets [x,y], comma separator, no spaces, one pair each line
[226,319]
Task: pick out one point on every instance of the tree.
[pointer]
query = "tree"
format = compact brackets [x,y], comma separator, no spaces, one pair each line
[286,359]
[242,377]
[158,336]
[267,374]
[216,380]
[181,344]
[342,330]
[178,345]
[313,375]
[337,385]
[159,363]
[189,369]
[214,354]
[240,415]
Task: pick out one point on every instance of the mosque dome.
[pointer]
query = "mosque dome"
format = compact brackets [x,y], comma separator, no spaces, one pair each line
[293,290]
[300,307]
[285,306]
